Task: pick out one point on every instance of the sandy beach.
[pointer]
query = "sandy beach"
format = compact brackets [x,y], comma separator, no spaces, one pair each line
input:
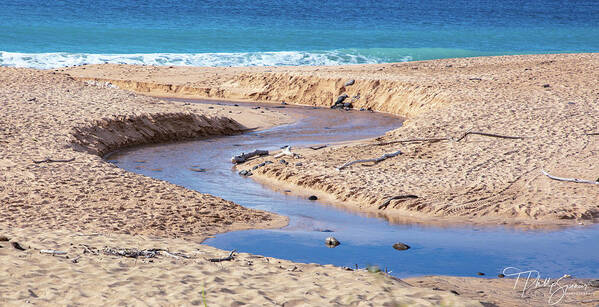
[59,194]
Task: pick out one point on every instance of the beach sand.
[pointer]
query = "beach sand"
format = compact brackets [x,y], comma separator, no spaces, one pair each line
[550,101]
[57,193]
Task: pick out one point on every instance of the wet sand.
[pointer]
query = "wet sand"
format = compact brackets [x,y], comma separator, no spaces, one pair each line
[548,101]
[57,193]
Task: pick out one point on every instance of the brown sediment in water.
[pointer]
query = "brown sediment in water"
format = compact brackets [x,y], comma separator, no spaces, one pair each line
[79,199]
[549,100]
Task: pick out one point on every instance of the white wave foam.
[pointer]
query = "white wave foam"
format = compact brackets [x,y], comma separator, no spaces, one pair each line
[283,58]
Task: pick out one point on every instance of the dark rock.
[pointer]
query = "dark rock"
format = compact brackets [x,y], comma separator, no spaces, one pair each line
[283,161]
[235,105]
[4,239]
[501,276]
[255,108]
[454,292]
[284,103]
[331,242]
[326,230]
[17,246]
[347,105]
[373,268]
[255,167]
[210,107]
[312,197]
[362,109]
[298,164]
[480,273]
[341,98]
[350,82]
[243,172]
[401,246]
[249,174]
[546,85]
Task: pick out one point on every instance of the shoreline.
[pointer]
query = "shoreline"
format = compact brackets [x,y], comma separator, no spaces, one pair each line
[455,99]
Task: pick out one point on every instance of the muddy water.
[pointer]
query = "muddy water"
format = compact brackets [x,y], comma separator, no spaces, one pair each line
[461,251]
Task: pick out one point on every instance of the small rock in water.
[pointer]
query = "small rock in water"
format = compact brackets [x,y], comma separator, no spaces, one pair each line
[501,275]
[312,197]
[400,246]
[331,242]
[480,273]
[347,105]
[243,172]
[284,103]
[326,230]
[350,82]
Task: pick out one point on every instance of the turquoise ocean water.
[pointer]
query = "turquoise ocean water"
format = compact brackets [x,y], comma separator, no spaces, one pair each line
[48,34]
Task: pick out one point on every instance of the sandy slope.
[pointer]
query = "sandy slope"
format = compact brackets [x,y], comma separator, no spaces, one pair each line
[551,100]
[61,205]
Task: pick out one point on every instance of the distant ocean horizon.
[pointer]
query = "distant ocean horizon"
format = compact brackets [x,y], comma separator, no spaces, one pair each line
[52,34]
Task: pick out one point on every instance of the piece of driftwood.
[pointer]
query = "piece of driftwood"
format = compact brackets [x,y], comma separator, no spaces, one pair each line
[131,252]
[388,201]
[52,252]
[246,156]
[49,160]
[318,147]
[228,258]
[174,255]
[491,135]
[286,151]
[432,140]
[569,179]
[592,133]
[464,135]
[375,160]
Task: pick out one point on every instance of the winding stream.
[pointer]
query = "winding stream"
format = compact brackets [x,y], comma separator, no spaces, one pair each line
[459,251]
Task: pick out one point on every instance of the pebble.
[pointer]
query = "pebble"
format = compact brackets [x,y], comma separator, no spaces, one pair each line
[298,164]
[501,276]
[401,246]
[331,242]
[4,239]
[17,246]
[350,82]
[312,197]
[480,273]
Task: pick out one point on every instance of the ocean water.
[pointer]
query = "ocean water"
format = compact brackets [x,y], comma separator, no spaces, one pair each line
[49,34]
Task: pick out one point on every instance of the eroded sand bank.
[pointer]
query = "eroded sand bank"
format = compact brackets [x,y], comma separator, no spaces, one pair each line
[86,201]
[551,101]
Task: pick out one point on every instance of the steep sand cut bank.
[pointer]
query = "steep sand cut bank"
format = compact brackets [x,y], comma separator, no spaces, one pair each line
[84,204]
[549,101]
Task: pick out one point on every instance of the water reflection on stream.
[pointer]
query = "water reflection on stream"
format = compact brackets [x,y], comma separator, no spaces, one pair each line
[461,251]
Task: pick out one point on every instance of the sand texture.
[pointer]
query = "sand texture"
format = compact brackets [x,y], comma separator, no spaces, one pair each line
[57,193]
[551,101]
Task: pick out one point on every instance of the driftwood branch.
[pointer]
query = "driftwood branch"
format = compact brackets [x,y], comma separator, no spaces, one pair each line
[375,160]
[388,201]
[569,179]
[286,151]
[464,135]
[246,156]
[492,135]
[52,252]
[317,147]
[49,160]
[228,258]
[592,133]
[432,140]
